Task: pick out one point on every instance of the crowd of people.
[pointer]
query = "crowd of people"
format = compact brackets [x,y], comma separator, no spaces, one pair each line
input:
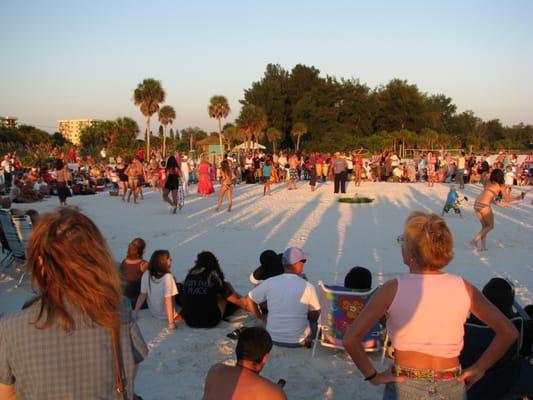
[71,174]
[83,318]
[87,175]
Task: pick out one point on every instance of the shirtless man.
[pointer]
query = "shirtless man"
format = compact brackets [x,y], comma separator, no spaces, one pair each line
[242,381]
[133,170]
[293,171]
[482,206]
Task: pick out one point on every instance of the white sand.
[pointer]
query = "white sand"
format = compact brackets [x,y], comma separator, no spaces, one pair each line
[338,236]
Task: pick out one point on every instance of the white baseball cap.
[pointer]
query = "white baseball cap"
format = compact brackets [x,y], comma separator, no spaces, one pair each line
[292,255]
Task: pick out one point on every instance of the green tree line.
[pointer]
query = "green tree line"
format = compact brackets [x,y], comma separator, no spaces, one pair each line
[327,113]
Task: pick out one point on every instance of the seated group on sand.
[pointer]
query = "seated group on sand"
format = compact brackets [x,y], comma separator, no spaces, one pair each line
[79,320]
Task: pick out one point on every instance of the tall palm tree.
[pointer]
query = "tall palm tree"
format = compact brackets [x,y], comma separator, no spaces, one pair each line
[167,115]
[298,130]
[252,122]
[230,133]
[430,137]
[219,108]
[273,135]
[148,95]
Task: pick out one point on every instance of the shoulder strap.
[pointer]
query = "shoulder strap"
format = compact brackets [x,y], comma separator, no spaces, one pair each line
[119,383]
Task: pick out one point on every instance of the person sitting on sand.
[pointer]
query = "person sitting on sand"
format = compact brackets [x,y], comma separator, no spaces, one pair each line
[132,269]
[206,296]
[242,381]
[358,278]
[293,307]
[158,287]
[62,345]
[270,265]
[511,374]
[22,192]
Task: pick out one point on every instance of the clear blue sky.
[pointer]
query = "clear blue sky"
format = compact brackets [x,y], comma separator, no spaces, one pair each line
[83,59]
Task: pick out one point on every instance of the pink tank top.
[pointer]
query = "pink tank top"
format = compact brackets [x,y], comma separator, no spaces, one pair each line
[428,313]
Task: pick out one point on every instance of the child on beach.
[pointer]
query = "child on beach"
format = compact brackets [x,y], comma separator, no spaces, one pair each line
[267,170]
[452,202]
[158,287]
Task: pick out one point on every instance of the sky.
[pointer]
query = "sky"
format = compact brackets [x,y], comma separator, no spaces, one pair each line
[83,59]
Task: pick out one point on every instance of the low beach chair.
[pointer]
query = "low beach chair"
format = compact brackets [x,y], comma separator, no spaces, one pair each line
[499,378]
[339,307]
[17,229]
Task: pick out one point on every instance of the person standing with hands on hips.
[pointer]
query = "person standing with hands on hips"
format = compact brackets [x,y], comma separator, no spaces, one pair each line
[426,310]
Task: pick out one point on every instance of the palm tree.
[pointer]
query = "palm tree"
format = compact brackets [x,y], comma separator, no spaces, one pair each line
[273,135]
[252,122]
[430,136]
[219,108]
[298,130]
[148,95]
[230,133]
[167,115]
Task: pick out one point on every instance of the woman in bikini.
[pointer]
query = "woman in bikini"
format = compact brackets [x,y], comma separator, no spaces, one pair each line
[483,209]
[226,185]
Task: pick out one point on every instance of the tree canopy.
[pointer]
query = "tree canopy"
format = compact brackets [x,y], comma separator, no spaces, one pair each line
[342,114]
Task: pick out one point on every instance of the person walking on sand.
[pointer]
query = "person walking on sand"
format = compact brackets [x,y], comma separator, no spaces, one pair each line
[205,186]
[62,182]
[133,171]
[293,172]
[431,162]
[482,206]
[339,169]
[172,183]
[226,185]
[267,171]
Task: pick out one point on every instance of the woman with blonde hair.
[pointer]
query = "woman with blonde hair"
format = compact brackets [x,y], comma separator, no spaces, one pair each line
[426,310]
[76,339]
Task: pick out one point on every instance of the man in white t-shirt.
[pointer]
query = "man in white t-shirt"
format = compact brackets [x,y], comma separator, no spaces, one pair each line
[292,302]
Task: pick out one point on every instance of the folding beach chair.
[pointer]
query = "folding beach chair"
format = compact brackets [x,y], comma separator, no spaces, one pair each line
[17,229]
[339,307]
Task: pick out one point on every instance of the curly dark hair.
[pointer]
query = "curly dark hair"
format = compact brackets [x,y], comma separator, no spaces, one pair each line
[207,260]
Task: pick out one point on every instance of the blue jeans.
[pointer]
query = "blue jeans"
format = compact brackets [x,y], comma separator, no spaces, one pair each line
[313,325]
[416,389]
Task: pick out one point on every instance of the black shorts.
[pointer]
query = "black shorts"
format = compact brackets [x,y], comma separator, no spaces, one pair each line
[172,182]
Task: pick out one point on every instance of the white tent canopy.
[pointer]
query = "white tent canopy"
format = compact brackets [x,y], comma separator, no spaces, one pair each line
[251,145]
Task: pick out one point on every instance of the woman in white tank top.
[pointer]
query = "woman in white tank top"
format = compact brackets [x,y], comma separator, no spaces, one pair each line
[426,310]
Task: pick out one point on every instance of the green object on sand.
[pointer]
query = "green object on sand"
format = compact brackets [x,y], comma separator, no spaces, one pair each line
[356,200]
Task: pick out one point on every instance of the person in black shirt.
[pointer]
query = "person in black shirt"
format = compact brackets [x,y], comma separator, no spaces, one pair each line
[206,294]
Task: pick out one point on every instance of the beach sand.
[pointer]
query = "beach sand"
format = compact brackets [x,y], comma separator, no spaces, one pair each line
[337,236]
